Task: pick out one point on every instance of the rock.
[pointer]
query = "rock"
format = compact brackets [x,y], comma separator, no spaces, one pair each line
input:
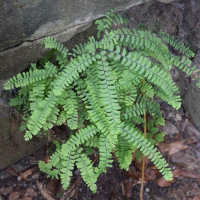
[178,117]
[24,27]
[192,96]
[166,1]
[192,22]
[13,147]
[169,128]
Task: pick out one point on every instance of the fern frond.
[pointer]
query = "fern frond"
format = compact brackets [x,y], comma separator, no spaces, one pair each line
[124,152]
[39,116]
[177,45]
[96,114]
[51,119]
[67,167]
[105,149]
[52,44]
[70,73]
[108,93]
[32,76]
[78,139]
[92,142]
[110,19]
[142,65]
[137,139]
[86,168]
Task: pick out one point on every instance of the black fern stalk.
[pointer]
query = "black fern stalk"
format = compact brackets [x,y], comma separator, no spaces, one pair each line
[101,85]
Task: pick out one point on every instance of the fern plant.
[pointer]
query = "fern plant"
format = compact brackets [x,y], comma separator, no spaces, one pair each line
[101,92]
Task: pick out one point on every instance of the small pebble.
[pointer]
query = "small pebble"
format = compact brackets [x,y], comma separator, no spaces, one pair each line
[179,117]
[147,190]
[35,176]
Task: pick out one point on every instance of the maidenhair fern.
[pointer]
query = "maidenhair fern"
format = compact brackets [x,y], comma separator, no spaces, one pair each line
[101,92]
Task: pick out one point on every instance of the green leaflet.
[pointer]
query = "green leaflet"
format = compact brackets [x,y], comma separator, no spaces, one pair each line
[101,90]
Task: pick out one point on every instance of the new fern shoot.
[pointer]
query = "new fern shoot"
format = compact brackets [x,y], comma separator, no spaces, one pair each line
[101,92]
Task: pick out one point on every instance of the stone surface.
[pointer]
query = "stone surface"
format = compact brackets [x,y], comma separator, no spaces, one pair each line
[12,144]
[24,25]
[191,98]
[166,1]
[169,128]
[192,22]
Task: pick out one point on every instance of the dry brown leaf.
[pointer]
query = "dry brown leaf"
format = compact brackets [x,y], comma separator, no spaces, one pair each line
[128,187]
[182,159]
[12,171]
[190,128]
[46,158]
[5,191]
[28,194]
[176,173]
[162,182]
[75,196]
[133,156]
[133,174]
[115,196]
[14,195]
[186,173]
[177,136]
[196,198]
[73,192]
[151,173]
[140,163]
[44,191]
[163,147]
[24,175]
[189,118]
[26,198]
[54,186]
[175,147]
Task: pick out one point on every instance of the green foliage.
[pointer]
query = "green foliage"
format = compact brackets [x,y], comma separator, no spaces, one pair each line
[102,93]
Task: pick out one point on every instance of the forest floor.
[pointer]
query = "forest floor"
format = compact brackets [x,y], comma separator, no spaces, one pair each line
[180,148]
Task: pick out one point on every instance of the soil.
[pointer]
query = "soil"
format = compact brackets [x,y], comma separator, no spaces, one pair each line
[111,185]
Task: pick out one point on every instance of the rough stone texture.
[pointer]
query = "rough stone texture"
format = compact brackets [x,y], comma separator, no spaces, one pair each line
[191,98]
[12,144]
[169,128]
[24,25]
[166,1]
[192,22]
